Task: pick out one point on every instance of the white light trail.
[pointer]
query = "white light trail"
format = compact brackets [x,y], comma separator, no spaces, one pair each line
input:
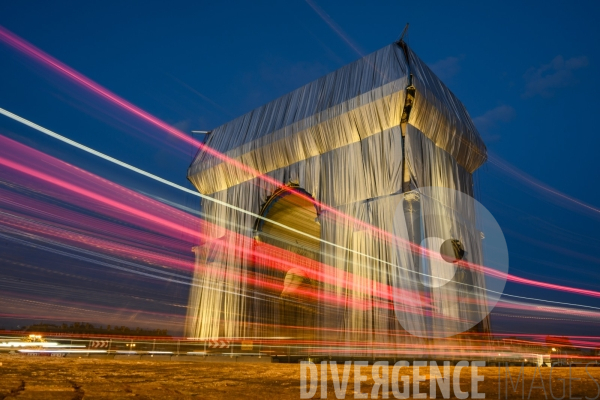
[28,344]
[208,198]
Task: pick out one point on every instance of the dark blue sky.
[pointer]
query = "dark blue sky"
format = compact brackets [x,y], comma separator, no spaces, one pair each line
[528,74]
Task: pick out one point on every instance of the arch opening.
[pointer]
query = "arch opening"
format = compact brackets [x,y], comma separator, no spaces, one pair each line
[290,282]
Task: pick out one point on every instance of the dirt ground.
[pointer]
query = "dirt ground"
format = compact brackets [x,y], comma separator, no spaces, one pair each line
[23,377]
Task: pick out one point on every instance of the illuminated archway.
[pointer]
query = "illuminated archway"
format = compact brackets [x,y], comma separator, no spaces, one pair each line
[295,310]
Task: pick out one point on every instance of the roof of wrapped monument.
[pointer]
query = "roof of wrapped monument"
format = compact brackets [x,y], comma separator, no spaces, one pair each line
[348,105]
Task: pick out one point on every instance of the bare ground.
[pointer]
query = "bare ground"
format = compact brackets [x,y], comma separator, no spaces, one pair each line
[24,377]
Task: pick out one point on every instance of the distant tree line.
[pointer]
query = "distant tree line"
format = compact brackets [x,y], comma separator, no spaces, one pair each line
[87,328]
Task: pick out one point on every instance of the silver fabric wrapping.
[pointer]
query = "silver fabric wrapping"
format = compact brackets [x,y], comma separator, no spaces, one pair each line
[341,140]
[439,114]
[346,106]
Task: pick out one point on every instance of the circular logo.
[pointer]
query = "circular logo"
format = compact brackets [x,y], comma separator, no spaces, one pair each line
[452,263]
